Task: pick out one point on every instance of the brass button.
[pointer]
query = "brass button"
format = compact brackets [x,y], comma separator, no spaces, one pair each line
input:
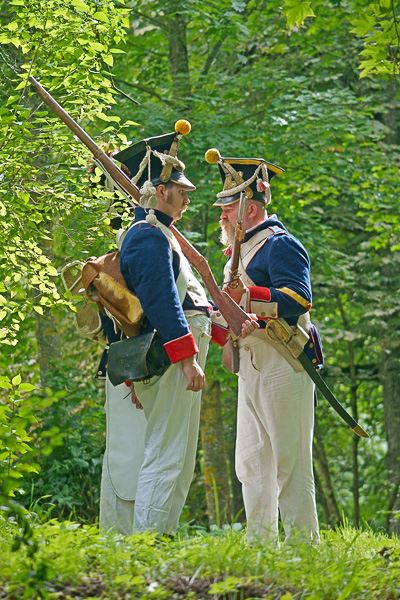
[263,314]
[311,345]
[314,360]
[273,314]
[246,348]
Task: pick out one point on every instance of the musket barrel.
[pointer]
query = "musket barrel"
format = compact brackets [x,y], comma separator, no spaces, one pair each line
[232,313]
[114,171]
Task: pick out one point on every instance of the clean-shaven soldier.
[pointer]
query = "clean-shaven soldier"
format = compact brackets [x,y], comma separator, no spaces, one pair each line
[176,306]
[276,396]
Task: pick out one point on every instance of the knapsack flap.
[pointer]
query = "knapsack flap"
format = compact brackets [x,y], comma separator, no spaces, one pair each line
[104,284]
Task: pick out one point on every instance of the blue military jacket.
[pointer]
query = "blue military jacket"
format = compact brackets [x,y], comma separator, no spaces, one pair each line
[150,270]
[280,266]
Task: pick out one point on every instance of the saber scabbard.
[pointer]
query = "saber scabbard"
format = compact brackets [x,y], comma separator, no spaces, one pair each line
[326,392]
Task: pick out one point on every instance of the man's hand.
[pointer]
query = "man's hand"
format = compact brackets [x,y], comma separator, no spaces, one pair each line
[249,325]
[194,374]
[134,399]
[237,292]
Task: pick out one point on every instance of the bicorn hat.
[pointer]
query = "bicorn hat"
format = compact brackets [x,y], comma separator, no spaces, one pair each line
[251,175]
[153,161]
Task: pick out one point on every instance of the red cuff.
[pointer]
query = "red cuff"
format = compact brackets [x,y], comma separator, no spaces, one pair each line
[128,383]
[259,293]
[218,334]
[181,348]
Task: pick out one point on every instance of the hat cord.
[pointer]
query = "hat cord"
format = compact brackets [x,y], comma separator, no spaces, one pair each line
[240,187]
[167,159]
[143,165]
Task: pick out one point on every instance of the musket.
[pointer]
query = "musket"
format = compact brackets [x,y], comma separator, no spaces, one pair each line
[234,274]
[230,354]
[232,313]
[122,181]
[221,299]
[232,360]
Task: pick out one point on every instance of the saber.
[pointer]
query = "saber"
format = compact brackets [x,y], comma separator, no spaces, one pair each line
[279,332]
[326,392]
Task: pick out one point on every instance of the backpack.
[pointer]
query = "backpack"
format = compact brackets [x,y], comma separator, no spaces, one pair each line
[105,285]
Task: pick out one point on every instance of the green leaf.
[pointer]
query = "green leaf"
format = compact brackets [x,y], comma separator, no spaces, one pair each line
[27,387]
[108,59]
[296,12]
[100,16]
[363,25]
[16,380]
[102,116]
[38,309]
[79,5]
[12,99]
[6,385]
[96,46]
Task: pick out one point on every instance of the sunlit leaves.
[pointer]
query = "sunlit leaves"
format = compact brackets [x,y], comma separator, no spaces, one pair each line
[67,52]
[379,25]
[296,12]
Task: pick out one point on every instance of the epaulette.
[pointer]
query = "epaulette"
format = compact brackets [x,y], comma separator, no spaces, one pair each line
[276,229]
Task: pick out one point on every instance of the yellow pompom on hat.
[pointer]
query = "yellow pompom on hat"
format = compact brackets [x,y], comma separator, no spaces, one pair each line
[183,127]
[212,156]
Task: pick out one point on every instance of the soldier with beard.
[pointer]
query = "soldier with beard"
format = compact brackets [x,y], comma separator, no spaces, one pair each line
[276,395]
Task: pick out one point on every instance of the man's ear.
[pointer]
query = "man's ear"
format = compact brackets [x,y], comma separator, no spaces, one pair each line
[252,210]
[161,189]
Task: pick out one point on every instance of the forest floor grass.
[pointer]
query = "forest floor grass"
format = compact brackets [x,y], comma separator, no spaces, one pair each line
[74,562]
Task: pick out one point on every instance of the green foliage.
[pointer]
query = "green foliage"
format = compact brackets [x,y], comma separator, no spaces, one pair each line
[69,47]
[19,415]
[66,433]
[296,12]
[80,562]
[377,23]
[379,26]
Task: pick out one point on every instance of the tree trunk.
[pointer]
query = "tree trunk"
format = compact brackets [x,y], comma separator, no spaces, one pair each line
[325,483]
[178,57]
[321,497]
[215,464]
[390,363]
[236,487]
[391,402]
[356,439]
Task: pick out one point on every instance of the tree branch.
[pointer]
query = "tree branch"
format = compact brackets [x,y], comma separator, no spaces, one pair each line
[211,57]
[143,88]
[155,21]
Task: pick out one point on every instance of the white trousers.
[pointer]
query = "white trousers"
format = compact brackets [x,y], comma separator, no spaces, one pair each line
[274,444]
[125,432]
[173,416]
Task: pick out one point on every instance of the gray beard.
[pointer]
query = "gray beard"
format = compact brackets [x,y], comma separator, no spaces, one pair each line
[227,235]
